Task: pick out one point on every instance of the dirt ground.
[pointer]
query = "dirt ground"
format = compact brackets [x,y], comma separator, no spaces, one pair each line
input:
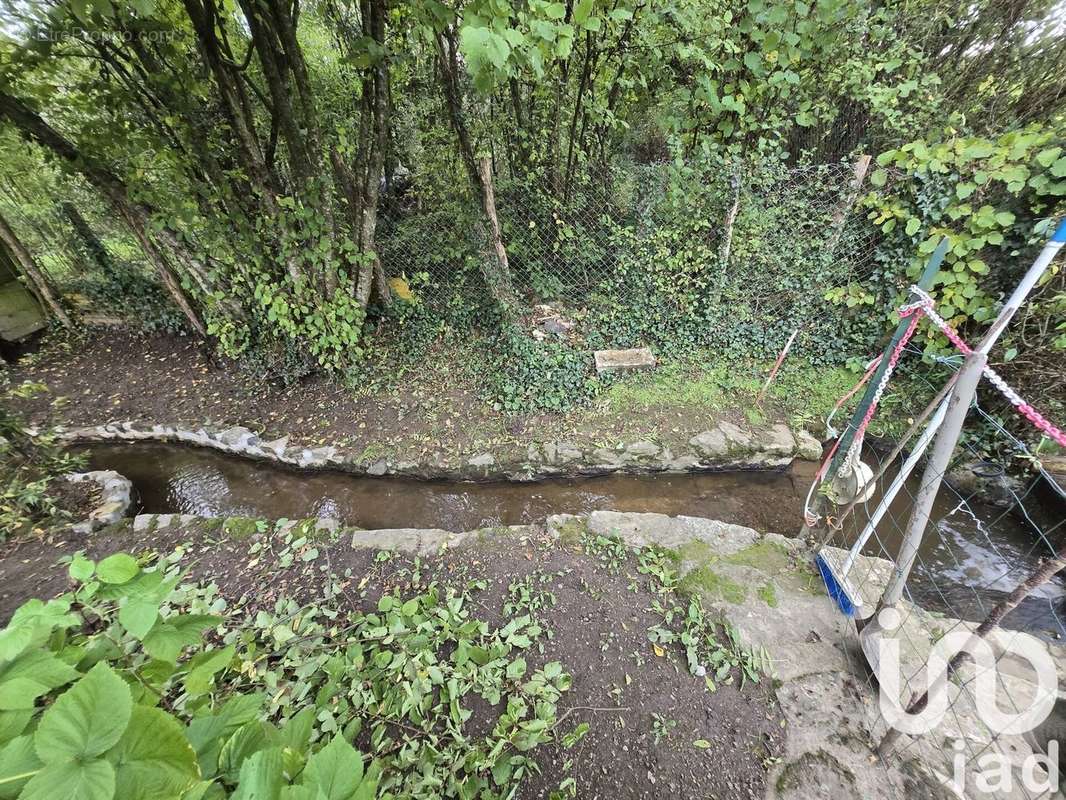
[75,500]
[112,374]
[597,618]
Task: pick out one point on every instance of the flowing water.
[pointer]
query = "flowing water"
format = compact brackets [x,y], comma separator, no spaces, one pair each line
[971,555]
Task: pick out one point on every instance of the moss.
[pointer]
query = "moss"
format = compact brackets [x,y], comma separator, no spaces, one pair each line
[240,527]
[804,772]
[768,557]
[697,550]
[571,531]
[754,417]
[706,580]
[768,594]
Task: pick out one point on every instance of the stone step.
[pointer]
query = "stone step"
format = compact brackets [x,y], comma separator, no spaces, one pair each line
[623,360]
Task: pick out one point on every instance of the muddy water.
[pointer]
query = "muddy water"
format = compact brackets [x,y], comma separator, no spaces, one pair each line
[965,565]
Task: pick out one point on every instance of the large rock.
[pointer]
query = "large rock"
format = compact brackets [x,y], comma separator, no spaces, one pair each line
[416,541]
[659,529]
[807,447]
[710,443]
[623,360]
[775,440]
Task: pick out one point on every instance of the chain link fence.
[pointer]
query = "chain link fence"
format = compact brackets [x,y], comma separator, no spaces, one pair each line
[989,724]
[749,252]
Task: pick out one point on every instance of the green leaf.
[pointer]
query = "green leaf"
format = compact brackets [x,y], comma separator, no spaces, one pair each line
[138,615]
[516,669]
[117,568]
[555,11]
[17,758]
[964,190]
[702,744]
[582,10]
[336,770]
[204,667]
[1004,218]
[168,638]
[93,779]
[483,47]
[913,224]
[879,177]
[248,740]
[31,675]
[978,149]
[81,568]
[261,776]
[1046,158]
[13,723]
[34,620]
[153,759]
[86,720]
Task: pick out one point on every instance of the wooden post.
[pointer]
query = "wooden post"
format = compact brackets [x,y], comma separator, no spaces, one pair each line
[37,280]
[730,221]
[499,280]
[777,366]
[840,213]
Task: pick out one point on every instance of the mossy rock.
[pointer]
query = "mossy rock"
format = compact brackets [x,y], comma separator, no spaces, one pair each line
[241,527]
[707,581]
[571,531]
[769,557]
[768,594]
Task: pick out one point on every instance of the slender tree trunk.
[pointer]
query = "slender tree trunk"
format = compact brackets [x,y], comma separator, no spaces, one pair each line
[40,284]
[32,127]
[371,273]
[500,280]
[498,277]
[89,240]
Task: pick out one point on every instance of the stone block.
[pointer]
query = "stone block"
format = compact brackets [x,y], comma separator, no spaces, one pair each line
[624,360]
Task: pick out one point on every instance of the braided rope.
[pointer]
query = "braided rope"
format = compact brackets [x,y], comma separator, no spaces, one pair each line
[923,305]
[856,442]
[926,305]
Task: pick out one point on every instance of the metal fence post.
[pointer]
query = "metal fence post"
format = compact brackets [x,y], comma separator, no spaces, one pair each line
[939,460]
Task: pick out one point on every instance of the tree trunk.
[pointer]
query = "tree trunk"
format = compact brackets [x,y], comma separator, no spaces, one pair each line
[94,248]
[498,280]
[497,277]
[371,273]
[33,128]
[40,285]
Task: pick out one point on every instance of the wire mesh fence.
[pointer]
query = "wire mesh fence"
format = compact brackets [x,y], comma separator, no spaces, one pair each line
[992,726]
[749,251]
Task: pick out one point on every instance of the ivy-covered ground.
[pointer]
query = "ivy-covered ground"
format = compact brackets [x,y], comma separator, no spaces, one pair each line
[527,665]
[440,401]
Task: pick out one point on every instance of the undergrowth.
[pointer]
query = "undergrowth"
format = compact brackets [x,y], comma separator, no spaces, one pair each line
[28,467]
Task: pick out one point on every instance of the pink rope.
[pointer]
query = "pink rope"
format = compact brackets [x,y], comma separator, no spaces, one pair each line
[892,361]
[1041,423]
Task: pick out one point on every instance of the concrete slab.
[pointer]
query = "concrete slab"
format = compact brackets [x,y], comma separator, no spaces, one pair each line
[624,360]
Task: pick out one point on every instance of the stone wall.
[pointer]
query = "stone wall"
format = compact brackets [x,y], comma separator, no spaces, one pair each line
[726,446]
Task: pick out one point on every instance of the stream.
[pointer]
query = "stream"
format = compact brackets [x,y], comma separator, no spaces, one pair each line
[966,563]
